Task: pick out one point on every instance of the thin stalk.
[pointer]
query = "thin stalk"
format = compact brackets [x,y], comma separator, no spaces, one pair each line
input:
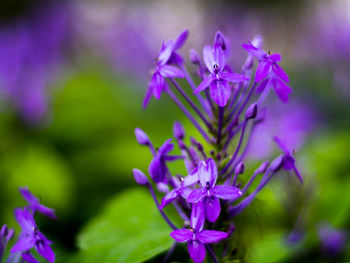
[211,253]
[150,188]
[189,115]
[220,124]
[224,170]
[194,107]
[193,86]
[170,252]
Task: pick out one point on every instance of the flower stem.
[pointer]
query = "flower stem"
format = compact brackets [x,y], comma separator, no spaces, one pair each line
[220,123]
[211,253]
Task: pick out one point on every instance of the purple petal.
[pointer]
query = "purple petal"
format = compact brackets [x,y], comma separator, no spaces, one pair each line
[166,51]
[204,84]
[288,162]
[45,250]
[168,198]
[25,220]
[197,251]
[49,212]
[280,145]
[212,208]
[182,235]
[263,70]
[232,77]
[282,90]
[226,192]
[297,173]
[185,192]
[280,72]
[156,85]
[208,57]
[211,236]
[171,72]
[196,195]
[220,92]
[147,97]
[181,39]
[219,57]
[275,57]
[220,41]
[262,85]
[156,171]
[24,243]
[29,257]
[190,179]
[197,216]
[208,173]
[171,158]
[28,196]
[166,147]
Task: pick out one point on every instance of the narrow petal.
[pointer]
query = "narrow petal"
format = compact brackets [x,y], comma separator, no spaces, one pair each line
[197,251]
[28,196]
[156,171]
[212,208]
[196,195]
[220,92]
[45,250]
[280,72]
[232,77]
[262,85]
[226,192]
[197,216]
[297,173]
[182,235]
[208,173]
[156,85]
[275,57]
[24,243]
[171,72]
[220,41]
[29,257]
[165,53]
[168,198]
[219,57]
[181,39]
[49,212]
[208,57]
[190,179]
[166,147]
[263,70]
[25,220]
[211,236]
[282,90]
[171,158]
[147,97]
[204,84]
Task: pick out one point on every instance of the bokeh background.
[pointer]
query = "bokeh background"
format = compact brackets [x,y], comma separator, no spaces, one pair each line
[72,78]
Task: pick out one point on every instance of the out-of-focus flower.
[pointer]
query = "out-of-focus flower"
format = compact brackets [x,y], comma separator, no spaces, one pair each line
[333,240]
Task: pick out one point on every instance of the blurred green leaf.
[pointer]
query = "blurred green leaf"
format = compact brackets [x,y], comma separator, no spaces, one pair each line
[130,229]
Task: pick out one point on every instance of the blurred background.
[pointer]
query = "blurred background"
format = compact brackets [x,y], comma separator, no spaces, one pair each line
[72,79]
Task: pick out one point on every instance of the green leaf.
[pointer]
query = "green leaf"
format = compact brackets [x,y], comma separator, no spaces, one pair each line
[130,229]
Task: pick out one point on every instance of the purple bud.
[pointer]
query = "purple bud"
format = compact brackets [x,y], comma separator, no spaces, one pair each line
[199,147]
[178,131]
[181,144]
[251,111]
[141,137]
[4,231]
[220,41]
[140,177]
[277,163]
[193,141]
[262,168]
[239,168]
[260,116]
[194,57]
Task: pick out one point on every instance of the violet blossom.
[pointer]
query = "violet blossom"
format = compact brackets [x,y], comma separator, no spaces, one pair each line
[215,168]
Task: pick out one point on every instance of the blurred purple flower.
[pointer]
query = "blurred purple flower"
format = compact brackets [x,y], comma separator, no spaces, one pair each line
[333,240]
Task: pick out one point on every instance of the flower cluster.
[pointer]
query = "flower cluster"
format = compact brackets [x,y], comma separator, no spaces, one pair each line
[212,193]
[30,236]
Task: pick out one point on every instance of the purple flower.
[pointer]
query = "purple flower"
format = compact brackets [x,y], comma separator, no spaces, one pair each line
[196,237]
[270,72]
[34,203]
[163,70]
[157,168]
[333,240]
[210,193]
[27,256]
[31,236]
[288,159]
[218,79]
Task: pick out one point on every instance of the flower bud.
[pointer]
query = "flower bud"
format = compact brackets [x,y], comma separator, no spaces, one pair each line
[220,41]
[178,131]
[239,168]
[277,163]
[140,177]
[262,168]
[251,111]
[141,137]
[181,144]
[194,57]
[4,231]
